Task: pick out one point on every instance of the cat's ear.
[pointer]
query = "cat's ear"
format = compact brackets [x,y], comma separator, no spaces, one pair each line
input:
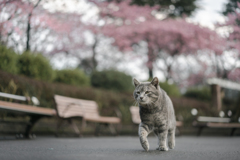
[155,82]
[135,82]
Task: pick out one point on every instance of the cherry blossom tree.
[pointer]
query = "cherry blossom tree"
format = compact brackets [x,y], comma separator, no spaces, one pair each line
[171,8]
[227,64]
[230,7]
[230,70]
[130,24]
[50,31]
[29,25]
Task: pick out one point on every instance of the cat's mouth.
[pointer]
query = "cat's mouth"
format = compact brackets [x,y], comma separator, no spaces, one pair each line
[142,102]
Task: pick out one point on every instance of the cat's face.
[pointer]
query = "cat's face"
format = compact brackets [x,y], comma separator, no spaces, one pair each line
[146,93]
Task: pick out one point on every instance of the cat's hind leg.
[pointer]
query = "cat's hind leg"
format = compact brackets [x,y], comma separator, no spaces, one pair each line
[143,132]
[171,138]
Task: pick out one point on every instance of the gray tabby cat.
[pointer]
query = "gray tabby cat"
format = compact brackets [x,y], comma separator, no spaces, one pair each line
[156,113]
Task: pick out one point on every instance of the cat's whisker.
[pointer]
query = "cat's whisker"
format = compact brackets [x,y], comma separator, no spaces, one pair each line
[135,103]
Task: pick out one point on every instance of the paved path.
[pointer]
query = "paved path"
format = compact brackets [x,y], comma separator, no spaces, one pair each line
[119,148]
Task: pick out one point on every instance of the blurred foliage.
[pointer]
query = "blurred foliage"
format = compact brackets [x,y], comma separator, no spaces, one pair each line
[111,79]
[74,77]
[203,94]
[230,7]
[8,60]
[10,88]
[174,8]
[35,66]
[170,89]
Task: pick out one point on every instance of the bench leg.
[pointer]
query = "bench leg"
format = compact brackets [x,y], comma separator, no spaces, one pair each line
[109,126]
[97,129]
[200,131]
[60,122]
[84,124]
[70,121]
[112,129]
[74,126]
[29,127]
[232,132]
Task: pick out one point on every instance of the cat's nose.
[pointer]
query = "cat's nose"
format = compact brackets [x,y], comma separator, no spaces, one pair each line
[141,98]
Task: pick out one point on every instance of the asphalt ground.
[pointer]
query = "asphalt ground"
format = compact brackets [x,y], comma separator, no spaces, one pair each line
[119,148]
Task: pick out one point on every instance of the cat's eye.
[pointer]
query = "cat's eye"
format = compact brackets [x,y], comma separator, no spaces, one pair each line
[147,92]
[138,92]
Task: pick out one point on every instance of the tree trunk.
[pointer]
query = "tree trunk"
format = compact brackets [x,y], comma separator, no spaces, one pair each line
[28,31]
[94,61]
[150,62]
[168,76]
[150,73]
[29,27]
[216,97]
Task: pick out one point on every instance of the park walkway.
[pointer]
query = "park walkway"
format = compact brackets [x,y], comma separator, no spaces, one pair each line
[119,148]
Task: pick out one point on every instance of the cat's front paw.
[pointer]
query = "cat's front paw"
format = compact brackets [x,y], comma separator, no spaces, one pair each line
[145,145]
[162,148]
[171,145]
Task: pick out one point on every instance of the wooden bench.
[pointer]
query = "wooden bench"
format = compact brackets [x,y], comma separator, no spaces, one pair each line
[35,113]
[69,108]
[134,110]
[215,122]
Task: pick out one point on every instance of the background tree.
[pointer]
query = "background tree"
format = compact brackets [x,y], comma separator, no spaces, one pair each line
[131,24]
[233,25]
[172,8]
[28,26]
[230,7]
[29,18]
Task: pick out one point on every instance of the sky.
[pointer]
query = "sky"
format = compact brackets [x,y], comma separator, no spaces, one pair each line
[209,12]
[207,15]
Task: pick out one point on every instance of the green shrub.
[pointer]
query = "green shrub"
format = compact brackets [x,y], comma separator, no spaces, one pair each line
[35,66]
[74,77]
[202,94]
[171,89]
[113,80]
[8,60]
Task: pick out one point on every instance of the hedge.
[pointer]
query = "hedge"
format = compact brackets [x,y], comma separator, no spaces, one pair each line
[112,80]
[8,60]
[73,77]
[35,65]
[107,100]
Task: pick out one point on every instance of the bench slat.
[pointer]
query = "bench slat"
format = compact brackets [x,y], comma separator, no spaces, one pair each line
[11,96]
[76,110]
[26,108]
[103,119]
[68,100]
[213,119]
[223,125]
